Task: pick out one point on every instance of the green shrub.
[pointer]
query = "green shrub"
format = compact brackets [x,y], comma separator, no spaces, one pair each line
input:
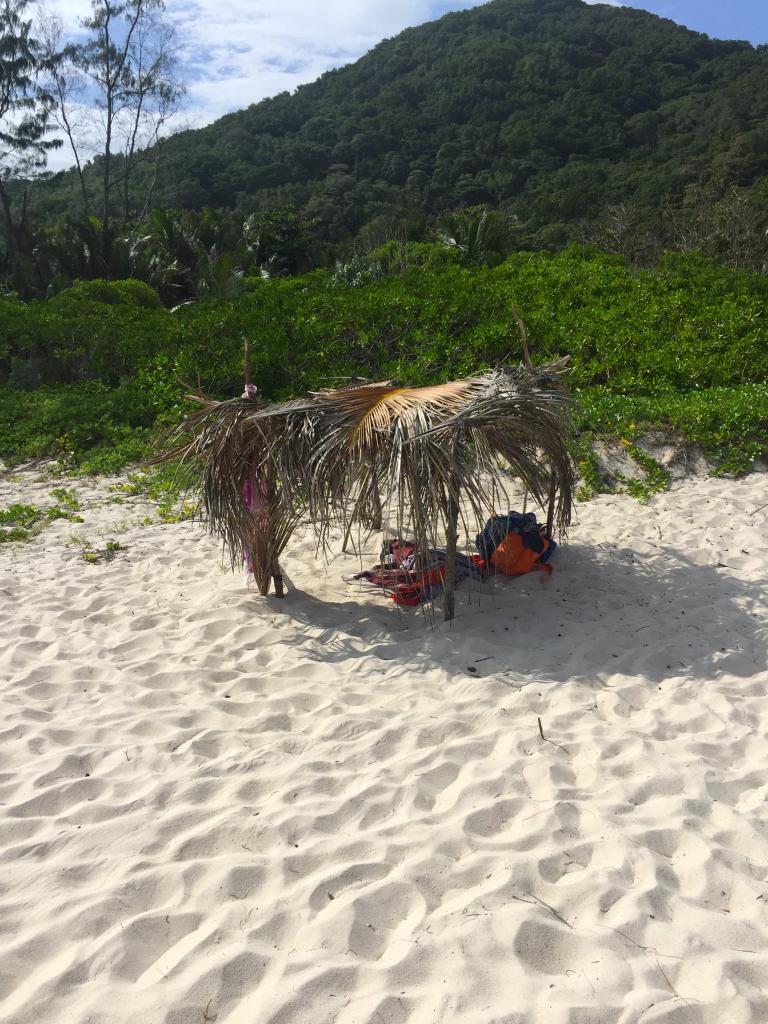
[24,521]
[682,346]
[730,424]
[112,293]
[89,425]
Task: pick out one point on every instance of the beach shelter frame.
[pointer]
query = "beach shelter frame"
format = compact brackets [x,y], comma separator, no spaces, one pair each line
[426,458]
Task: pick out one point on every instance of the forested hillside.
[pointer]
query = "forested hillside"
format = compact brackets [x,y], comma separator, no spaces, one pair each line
[554,110]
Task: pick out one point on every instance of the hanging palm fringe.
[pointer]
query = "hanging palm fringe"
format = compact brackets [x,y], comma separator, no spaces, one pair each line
[427,458]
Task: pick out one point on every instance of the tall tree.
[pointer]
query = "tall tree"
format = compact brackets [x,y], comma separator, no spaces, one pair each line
[115,94]
[25,107]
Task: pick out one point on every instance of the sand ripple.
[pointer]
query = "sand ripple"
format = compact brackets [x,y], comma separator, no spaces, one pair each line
[322,811]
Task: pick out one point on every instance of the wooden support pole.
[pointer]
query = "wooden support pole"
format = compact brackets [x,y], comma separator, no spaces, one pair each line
[451,540]
[378,513]
[347,538]
[266,580]
[277,576]
[552,499]
[247,368]
[523,336]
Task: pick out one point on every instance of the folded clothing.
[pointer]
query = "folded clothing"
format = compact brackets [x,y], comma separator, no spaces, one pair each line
[413,577]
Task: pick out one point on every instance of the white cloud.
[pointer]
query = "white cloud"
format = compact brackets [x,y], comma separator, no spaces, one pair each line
[237,52]
[241,51]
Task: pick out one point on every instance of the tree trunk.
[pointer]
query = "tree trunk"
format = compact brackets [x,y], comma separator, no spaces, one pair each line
[14,235]
[105,207]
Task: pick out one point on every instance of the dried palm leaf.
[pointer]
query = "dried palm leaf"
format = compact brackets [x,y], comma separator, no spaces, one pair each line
[425,455]
[231,454]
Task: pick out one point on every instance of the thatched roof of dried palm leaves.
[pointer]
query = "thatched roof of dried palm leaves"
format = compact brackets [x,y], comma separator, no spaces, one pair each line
[425,455]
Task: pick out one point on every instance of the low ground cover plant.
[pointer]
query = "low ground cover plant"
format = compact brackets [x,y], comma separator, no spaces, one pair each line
[21,522]
[94,376]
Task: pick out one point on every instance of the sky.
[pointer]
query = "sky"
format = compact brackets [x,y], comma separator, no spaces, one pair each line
[237,52]
[723,19]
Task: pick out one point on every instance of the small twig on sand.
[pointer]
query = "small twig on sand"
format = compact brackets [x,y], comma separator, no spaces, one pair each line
[685,999]
[187,739]
[665,976]
[512,685]
[755,511]
[534,900]
[652,951]
[639,945]
[558,745]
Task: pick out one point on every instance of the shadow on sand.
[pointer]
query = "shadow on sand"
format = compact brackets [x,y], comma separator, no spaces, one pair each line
[605,611]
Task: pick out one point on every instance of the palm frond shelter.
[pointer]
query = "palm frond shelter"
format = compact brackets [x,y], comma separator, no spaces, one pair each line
[428,459]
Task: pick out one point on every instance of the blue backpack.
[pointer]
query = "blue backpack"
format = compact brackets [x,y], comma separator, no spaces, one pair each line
[524,523]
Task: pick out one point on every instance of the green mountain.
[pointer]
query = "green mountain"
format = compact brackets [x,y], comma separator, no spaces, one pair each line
[550,109]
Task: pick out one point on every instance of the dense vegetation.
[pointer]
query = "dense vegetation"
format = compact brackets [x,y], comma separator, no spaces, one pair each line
[577,120]
[682,346]
[565,121]
[603,169]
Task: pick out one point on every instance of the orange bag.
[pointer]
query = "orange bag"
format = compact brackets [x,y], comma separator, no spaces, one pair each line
[512,558]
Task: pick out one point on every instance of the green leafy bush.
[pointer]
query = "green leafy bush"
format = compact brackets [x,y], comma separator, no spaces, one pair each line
[730,424]
[20,522]
[682,346]
[89,425]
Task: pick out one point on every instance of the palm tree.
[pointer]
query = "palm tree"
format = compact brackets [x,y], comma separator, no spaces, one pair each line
[82,249]
[189,255]
[481,235]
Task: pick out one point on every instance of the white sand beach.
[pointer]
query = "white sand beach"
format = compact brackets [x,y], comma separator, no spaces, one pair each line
[323,810]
